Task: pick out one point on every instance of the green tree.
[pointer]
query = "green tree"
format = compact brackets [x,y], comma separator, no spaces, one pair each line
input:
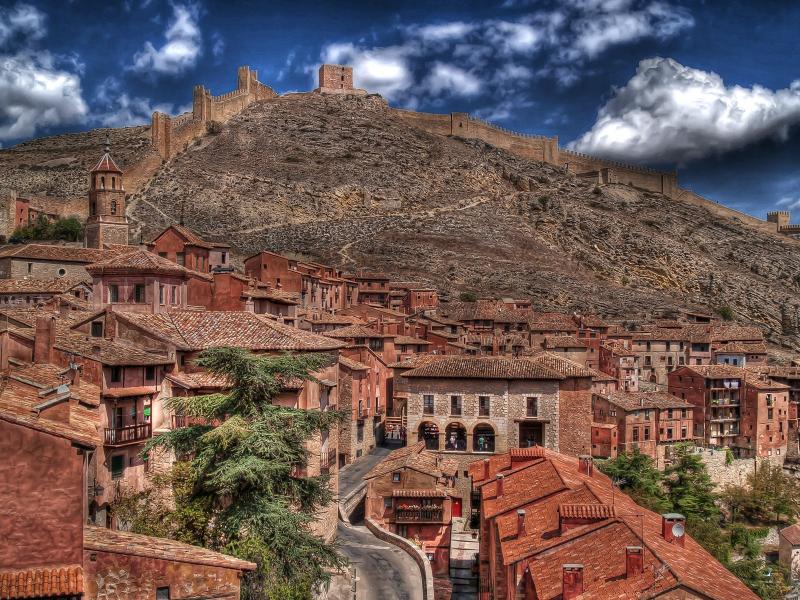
[637,475]
[689,487]
[468,297]
[768,496]
[768,581]
[69,229]
[247,495]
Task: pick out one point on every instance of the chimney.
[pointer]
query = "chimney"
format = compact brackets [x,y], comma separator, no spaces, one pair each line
[585,465]
[634,561]
[673,528]
[75,373]
[44,340]
[499,485]
[520,522]
[485,468]
[571,581]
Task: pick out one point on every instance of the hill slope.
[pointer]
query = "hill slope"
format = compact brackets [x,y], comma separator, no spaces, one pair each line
[344,181]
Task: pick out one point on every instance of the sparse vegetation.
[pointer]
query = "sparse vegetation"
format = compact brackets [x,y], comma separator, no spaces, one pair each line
[68,229]
[726,312]
[468,297]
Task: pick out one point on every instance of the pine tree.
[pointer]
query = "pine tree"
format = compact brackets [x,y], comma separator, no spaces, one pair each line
[689,487]
[245,471]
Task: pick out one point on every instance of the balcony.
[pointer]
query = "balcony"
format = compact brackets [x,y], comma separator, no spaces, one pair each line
[327,461]
[425,514]
[119,436]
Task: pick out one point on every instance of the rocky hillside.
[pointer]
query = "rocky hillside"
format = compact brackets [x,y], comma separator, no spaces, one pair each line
[344,181]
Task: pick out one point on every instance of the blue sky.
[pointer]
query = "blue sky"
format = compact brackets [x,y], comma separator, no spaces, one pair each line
[710,88]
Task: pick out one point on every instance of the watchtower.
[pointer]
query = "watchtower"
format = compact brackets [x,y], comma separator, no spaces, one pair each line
[107,222]
[335,78]
[781,218]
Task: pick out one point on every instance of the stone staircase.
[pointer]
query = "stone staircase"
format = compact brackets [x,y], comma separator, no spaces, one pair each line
[463,561]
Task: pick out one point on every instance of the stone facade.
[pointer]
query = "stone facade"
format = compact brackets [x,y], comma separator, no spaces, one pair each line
[335,79]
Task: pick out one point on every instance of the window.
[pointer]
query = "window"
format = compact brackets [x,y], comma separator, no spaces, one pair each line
[162,593]
[116,374]
[483,406]
[646,415]
[635,434]
[97,329]
[30,268]
[62,272]
[455,405]
[669,433]
[183,360]
[113,293]
[117,466]
[387,503]
[683,413]
[150,373]
[162,254]
[646,433]
[173,294]
[532,406]
[376,344]
[139,293]
[181,258]
[161,294]
[113,207]
[683,433]
[669,413]
[770,414]
[396,477]
[427,404]
[224,257]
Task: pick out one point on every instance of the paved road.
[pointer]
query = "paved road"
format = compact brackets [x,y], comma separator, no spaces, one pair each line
[352,475]
[384,571]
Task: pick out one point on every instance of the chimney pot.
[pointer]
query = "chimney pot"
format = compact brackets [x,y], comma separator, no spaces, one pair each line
[572,581]
[486,468]
[520,522]
[499,485]
[634,561]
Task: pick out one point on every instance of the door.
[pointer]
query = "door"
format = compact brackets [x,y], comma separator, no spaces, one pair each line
[456,507]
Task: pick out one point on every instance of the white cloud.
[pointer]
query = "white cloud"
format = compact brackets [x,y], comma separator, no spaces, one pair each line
[116,108]
[218,44]
[382,70]
[670,112]
[450,79]
[515,37]
[455,30]
[21,20]
[35,93]
[181,49]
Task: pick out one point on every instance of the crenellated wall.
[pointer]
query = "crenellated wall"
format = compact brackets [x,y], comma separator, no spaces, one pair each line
[171,135]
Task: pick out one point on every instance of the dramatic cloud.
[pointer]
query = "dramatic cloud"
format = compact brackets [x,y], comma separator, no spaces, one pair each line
[37,89]
[500,56]
[669,112]
[181,49]
[115,108]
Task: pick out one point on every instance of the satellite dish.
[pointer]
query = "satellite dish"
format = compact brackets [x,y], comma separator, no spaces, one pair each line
[678,530]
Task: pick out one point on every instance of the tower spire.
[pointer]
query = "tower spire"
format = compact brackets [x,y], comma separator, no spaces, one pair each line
[108,144]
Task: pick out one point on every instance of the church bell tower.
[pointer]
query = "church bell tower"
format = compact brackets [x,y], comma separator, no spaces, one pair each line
[107,223]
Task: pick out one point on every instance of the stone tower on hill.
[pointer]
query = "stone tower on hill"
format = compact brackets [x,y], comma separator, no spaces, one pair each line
[107,222]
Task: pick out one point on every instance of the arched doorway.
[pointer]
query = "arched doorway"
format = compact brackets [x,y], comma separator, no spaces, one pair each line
[483,438]
[429,433]
[455,438]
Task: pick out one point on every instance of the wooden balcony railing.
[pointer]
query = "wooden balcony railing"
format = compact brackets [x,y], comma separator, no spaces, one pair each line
[431,514]
[117,436]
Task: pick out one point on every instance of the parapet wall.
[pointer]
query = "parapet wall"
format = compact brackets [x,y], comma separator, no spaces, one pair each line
[171,135]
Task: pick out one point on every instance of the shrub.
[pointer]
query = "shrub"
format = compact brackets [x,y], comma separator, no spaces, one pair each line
[468,297]
[726,312]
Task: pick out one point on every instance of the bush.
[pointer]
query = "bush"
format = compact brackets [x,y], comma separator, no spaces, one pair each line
[468,297]
[726,312]
[68,229]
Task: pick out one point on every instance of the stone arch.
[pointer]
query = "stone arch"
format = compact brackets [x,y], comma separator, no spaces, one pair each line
[455,437]
[429,433]
[483,437]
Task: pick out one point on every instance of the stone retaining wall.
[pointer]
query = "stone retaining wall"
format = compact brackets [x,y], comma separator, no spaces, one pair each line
[419,557]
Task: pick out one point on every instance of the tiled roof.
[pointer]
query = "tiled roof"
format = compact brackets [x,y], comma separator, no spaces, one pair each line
[353,365]
[438,492]
[717,371]
[139,261]
[356,331]
[536,481]
[408,340]
[638,400]
[106,164]
[17,402]
[329,319]
[41,582]
[55,253]
[47,376]
[485,367]
[107,352]
[484,310]
[552,322]
[191,237]
[586,511]
[561,364]
[779,371]
[563,341]
[414,457]
[742,348]
[792,534]
[416,360]
[39,286]
[618,348]
[123,542]
[275,295]
[201,329]
[761,382]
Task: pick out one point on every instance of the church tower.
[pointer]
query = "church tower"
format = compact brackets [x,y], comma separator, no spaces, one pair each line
[107,223]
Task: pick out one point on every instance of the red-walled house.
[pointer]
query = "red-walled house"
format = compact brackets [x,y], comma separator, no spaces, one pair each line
[411,296]
[183,246]
[554,528]
[622,363]
[373,288]
[647,421]
[411,493]
[765,418]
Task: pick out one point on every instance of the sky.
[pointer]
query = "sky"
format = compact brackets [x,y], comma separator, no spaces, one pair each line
[711,88]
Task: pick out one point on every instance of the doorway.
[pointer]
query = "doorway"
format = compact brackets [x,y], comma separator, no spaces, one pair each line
[456,507]
[531,434]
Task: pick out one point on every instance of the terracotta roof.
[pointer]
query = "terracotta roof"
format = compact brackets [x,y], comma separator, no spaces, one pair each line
[201,329]
[414,457]
[54,253]
[586,511]
[356,331]
[329,319]
[106,164]
[439,492]
[716,371]
[618,348]
[561,364]
[403,340]
[123,542]
[779,371]
[638,400]
[191,237]
[275,295]
[41,582]
[563,341]
[742,348]
[485,310]
[47,376]
[39,286]
[760,382]
[140,261]
[416,360]
[17,405]
[552,322]
[107,352]
[792,534]
[485,367]
[353,365]
[537,480]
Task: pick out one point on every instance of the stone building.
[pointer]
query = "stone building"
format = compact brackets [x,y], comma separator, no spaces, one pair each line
[412,296]
[619,361]
[107,223]
[47,262]
[27,292]
[789,550]
[553,527]
[373,288]
[645,421]
[411,493]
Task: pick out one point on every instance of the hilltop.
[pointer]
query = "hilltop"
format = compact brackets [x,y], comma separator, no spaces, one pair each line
[345,180]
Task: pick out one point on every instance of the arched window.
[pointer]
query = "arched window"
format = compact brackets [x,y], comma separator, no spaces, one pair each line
[455,437]
[102,182]
[429,433]
[113,183]
[113,207]
[483,438]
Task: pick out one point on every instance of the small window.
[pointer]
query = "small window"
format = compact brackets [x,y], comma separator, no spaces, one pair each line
[97,329]
[113,207]
[484,404]
[62,272]
[532,406]
[116,374]
[387,503]
[162,593]
[113,187]
[173,293]
[427,404]
[669,433]
[117,466]
[181,259]
[635,434]
[139,293]
[455,405]
[162,254]
[396,477]
[113,293]
[161,294]
[30,268]
[150,373]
